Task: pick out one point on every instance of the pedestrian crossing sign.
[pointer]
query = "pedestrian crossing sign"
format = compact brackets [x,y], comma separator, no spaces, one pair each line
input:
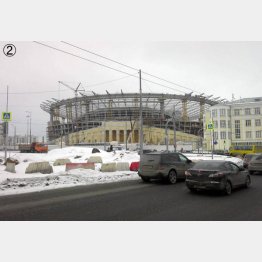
[210,126]
[6,116]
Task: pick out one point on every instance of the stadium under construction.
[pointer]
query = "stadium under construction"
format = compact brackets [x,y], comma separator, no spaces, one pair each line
[115,117]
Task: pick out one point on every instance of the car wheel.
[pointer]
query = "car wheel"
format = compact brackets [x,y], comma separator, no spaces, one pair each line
[192,190]
[145,179]
[228,188]
[248,182]
[172,177]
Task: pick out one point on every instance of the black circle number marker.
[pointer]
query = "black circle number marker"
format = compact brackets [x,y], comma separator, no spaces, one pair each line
[9,50]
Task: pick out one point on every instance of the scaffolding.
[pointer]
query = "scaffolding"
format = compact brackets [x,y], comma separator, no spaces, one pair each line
[88,111]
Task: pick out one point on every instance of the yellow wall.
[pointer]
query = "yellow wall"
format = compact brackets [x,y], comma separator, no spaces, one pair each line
[152,135]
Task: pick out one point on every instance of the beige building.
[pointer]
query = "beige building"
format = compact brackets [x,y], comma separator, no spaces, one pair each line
[121,131]
[235,123]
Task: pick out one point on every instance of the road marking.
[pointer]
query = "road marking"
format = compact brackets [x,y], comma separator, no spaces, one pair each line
[55,200]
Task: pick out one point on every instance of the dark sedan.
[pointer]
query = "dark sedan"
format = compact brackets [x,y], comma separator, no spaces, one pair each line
[216,175]
[247,159]
[255,164]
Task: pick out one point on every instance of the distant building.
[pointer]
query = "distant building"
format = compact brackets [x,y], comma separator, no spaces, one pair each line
[235,123]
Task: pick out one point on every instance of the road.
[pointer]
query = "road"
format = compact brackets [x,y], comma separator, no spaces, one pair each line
[134,200]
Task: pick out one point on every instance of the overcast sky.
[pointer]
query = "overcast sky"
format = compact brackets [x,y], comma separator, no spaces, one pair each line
[214,68]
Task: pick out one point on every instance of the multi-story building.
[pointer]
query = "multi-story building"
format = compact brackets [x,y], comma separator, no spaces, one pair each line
[235,123]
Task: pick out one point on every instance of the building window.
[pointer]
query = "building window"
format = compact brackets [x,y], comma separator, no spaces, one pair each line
[257,110]
[247,111]
[248,134]
[228,112]
[248,122]
[215,135]
[229,134]
[215,124]
[236,112]
[258,134]
[222,112]
[223,135]
[258,122]
[237,129]
[223,123]
[214,113]
[229,124]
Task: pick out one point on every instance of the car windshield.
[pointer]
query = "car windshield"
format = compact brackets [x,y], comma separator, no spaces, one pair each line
[209,165]
[259,157]
[248,157]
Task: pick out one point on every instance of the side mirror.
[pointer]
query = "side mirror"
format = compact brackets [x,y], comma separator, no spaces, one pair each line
[189,161]
[242,168]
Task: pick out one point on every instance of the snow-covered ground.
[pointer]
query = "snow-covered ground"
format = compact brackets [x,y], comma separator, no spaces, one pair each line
[19,182]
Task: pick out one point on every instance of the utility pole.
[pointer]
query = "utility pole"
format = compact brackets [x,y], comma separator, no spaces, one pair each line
[14,137]
[28,127]
[6,124]
[166,135]
[212,146]
[27,123]
[174,126]
[141,115]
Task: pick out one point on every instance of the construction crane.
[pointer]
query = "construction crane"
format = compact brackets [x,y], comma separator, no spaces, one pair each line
[76,91]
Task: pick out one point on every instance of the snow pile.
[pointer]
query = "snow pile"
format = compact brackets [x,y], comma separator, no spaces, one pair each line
[19,182]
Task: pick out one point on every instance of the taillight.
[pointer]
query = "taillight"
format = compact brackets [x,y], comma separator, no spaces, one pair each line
[187,173]
[218,174]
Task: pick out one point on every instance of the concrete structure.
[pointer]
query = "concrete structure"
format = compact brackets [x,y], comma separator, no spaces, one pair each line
[72,118]
[121,131]
[236,123]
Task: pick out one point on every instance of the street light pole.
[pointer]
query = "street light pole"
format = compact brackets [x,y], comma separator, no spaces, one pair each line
[174,124]
[141,114]
[200,141]
[6,125]
[28,127]
[166,134]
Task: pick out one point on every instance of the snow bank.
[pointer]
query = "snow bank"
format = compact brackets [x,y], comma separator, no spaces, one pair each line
[19,182]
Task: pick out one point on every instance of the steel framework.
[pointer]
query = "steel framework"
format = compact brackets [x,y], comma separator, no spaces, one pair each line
[88,111]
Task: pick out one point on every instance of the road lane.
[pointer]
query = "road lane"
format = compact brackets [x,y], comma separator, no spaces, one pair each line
[133,201]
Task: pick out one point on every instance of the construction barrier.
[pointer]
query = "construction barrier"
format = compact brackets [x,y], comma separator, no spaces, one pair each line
[70,166]
[39,167]
[122,166]
[108,167]
[61,161]
[134,166]
[95,159]
[10,167]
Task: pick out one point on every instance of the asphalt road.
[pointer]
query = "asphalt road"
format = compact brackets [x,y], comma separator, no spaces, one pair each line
[134,200]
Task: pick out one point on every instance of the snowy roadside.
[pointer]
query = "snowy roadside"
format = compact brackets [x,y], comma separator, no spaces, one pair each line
[19,182]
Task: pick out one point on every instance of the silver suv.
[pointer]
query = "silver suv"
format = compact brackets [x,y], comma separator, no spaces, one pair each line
[164,165]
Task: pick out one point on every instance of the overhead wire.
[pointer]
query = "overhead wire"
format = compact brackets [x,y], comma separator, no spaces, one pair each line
[120,71]
[83,58]
[93,53]
[52,91]
[130,67]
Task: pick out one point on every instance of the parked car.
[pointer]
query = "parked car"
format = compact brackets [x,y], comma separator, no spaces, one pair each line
[216,175]
[247,158]
[165,165]
[255,164]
